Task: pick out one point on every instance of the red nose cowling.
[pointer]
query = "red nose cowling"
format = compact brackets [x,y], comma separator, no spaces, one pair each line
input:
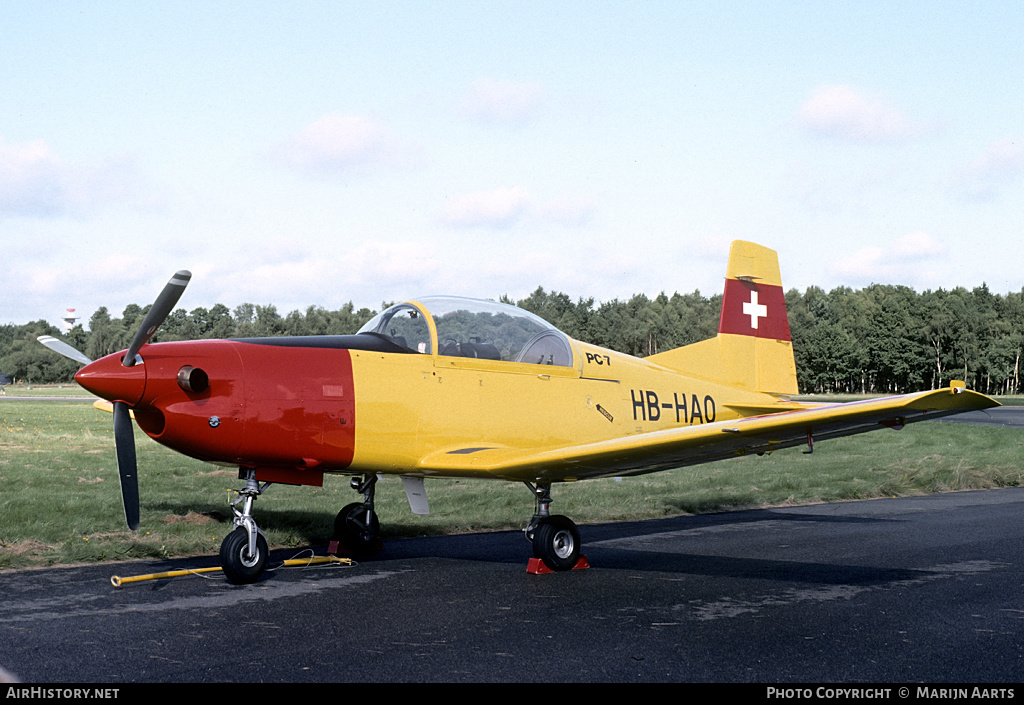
[109,379]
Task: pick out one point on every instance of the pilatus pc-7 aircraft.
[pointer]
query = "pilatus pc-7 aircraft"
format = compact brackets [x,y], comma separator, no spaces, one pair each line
[461,388]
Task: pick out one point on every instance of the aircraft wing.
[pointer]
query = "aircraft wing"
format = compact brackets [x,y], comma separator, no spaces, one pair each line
[691,445]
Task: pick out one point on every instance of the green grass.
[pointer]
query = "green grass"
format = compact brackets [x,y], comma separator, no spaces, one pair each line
[48,390]
[60,501]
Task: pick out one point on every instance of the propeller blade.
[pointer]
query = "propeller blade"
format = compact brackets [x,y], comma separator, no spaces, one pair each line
[127,468]
[63,348]
[161,308]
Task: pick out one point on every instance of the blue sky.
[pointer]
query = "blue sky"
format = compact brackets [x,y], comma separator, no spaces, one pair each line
[316,153]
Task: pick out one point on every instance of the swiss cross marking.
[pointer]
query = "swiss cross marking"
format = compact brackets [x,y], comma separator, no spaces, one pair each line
[754,310]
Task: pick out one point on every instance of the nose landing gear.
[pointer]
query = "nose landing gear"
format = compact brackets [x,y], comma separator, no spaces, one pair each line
[243,554]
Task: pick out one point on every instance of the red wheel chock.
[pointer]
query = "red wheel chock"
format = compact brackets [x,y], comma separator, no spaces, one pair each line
[536,566]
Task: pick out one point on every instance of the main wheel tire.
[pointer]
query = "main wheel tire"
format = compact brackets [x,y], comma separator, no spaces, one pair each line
[556,541]
[240,567]
[357,528]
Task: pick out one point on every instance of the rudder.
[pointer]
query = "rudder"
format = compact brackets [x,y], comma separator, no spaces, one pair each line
[753,349]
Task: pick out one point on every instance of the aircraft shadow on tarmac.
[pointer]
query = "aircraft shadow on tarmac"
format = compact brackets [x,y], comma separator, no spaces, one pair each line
[609,549]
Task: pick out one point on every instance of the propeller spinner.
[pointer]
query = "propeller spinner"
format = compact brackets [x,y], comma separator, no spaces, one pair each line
[117,385]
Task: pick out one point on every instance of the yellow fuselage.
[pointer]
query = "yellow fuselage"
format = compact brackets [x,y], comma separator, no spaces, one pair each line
[412,408]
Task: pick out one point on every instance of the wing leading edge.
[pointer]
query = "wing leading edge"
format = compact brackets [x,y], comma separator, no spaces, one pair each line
[692,445]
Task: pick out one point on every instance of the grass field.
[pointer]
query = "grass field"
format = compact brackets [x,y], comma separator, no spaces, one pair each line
[60,501]
[52,390]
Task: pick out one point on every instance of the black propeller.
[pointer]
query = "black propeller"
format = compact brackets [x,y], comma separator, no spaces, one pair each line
[158,312]
[124,433]
[63,348]
[127,469]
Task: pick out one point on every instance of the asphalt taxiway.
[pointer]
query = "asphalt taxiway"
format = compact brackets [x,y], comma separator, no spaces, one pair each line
[887,591]
[1009,416]
[923,589]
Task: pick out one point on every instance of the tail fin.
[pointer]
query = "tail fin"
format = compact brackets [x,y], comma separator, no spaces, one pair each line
[753,349]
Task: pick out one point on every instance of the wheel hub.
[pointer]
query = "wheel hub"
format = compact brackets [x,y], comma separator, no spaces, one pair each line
[563,544]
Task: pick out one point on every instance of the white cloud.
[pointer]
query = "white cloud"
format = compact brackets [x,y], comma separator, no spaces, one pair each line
[312,276]
[1005,156]
[110,280]
[498,208]
[35,182]
[571,211]
[1000,163]
[502,208]
[337,143]
[905,260]
[499,101]
[31,181]
[846,113]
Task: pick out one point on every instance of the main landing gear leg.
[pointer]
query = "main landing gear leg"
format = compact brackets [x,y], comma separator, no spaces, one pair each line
[243,554]
[555,538]
[356,527]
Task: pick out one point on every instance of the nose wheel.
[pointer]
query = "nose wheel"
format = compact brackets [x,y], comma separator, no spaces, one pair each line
[243,554]
[241,564]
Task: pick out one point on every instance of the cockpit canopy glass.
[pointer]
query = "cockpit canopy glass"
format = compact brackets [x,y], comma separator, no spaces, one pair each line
[402,324]
[475,329]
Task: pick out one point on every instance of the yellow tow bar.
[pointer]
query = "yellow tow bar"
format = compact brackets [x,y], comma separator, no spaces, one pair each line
[118,581]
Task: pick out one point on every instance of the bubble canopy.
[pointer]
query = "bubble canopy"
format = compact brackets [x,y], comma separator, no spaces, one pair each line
[472,328]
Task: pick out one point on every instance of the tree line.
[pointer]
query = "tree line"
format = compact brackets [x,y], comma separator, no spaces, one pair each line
[880,339]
